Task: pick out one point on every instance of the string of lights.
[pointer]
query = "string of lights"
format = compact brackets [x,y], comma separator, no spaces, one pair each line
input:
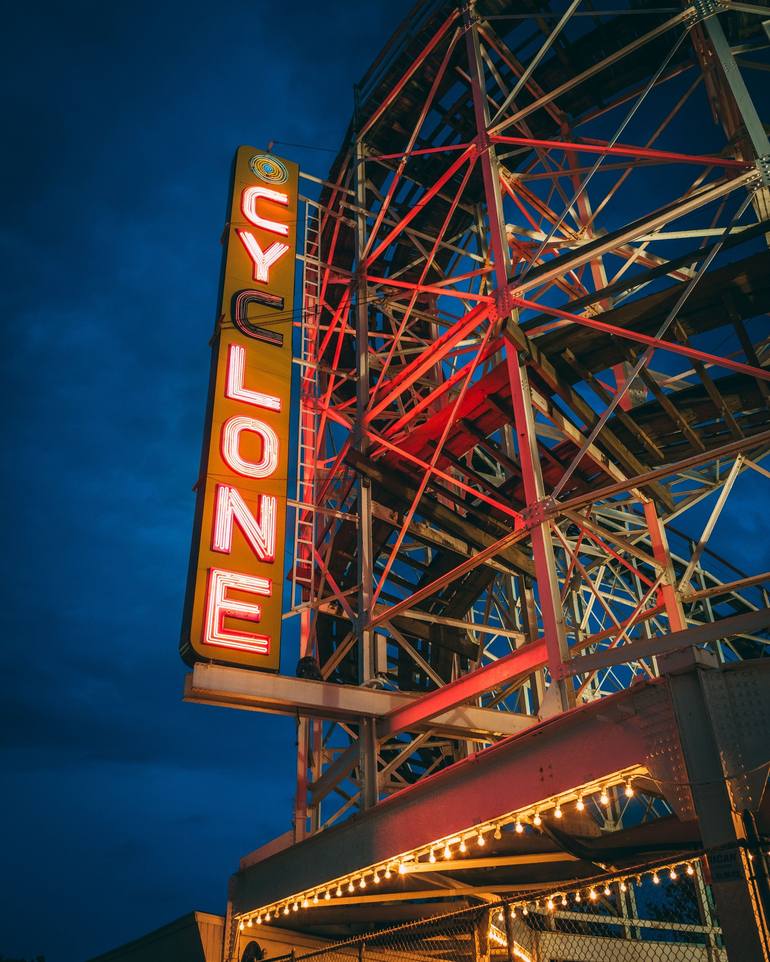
[519,822]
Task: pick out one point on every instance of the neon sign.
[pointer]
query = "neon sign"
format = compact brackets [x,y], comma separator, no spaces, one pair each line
[234,591]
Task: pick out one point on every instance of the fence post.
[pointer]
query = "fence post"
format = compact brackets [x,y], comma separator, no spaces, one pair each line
[508,931]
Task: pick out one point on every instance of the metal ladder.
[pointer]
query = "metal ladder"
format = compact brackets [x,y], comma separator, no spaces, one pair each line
[303,566]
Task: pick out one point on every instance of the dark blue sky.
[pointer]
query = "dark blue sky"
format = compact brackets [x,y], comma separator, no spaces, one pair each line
[124,807]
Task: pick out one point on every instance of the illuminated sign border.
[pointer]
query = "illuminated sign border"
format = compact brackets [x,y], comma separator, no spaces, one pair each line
[233,605]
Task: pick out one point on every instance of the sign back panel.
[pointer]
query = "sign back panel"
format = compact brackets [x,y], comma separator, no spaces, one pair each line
[235,583]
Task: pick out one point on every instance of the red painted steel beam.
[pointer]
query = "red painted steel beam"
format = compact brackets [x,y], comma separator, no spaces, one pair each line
[622,150]
[640,338]
[431,289]
[425,199]
[581,746]
[524,660]
[438,350]
[409,73]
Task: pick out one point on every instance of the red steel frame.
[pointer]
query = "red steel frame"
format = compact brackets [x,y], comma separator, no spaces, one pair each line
[500,275]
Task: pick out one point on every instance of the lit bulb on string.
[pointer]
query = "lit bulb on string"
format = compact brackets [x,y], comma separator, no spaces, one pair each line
[513,912]
[305,903]
[557,811]
[447,851]
[315,895]
[623,887]
[604,798]
[351,887]
[250,923]
[578,897]
[376,878]
[481,841]
[268,916]
[498,833]
[564,900]
[690,869]
[327,895]
[259,920]
[463,846]
[388,872]
[338,893]
[656,878]
[592,895]
[606,890]
[550,905]
[241,926]
[518,827]
[295,907]
[525,911]
[537,821]
[672,875]
[580,806]
[629,790]
[286,909]
[362,883]
[402,869]
[432,857]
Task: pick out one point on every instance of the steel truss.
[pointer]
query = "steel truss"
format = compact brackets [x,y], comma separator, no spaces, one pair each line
[535,371]
[535,350]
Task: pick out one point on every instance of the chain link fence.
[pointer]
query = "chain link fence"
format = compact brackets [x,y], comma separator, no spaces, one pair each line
[642,922]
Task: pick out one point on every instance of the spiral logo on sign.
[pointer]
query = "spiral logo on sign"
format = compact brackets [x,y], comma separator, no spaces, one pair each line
[269,169]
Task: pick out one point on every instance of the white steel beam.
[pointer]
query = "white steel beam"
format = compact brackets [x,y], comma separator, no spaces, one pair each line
[282,695]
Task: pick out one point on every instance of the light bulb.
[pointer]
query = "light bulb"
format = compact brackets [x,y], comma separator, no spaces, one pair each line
[481,841]
[463,846]
[557,811]
[338,893]
[351,887]
[305,903]
[518,827]
[362,883]
[268,916]
[577,897]
[690,869]
[550,905]
[402,869]
[656,878]
[604,798]
[388,873]
[327,895]
[498,834]
[376,878]
[592,895]
[447,851]
[315,895]
[580,804]
[250,923]
[672,875]
[259,920]
[241,926]
[432,857]
[537,820]
[296,906]
[606,890]
[286,909]
[513,912]
[564,900]
[623,887]
[629,790]
[525,911]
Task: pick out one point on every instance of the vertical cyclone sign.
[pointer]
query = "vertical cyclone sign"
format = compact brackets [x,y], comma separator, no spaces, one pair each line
[235,582]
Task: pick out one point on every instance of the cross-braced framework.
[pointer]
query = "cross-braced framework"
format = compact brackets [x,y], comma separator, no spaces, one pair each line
[535,369]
